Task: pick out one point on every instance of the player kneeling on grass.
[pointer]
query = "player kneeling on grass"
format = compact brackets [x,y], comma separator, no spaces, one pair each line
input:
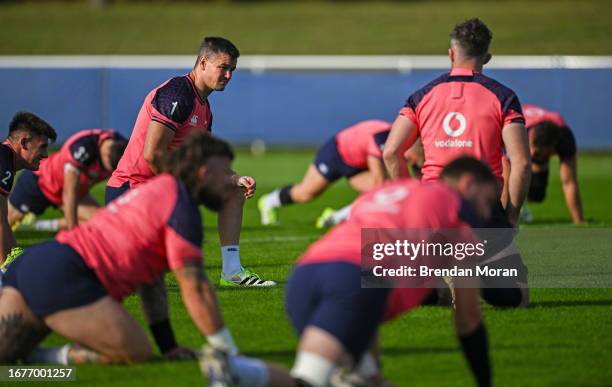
[65,179]
[337,319]
[354,153]
[74,284]
[24,148]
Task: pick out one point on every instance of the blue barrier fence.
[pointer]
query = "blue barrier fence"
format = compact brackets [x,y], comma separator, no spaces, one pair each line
[298,107]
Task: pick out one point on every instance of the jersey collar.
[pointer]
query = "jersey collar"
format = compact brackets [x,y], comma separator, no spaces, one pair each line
[459,71]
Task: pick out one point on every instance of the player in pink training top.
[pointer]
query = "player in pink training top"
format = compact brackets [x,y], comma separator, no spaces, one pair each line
[337,319]
[169,113]
[65,179]
[550,135]
[24,148]
[74,284]
[354,153]
[464,112]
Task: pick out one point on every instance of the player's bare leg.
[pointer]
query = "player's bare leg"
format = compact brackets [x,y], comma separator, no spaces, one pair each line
[229,225]
[363,182]
[311,186]
[20,330]
[319,355]
[104,331]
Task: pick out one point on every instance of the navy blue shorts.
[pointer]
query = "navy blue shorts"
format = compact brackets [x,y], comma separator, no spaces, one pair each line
[329,296]
[329,163]
[52,277]
[26,196]
[113,193]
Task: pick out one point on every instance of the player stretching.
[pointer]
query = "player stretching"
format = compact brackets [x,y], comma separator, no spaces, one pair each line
[74,284]
[337,319]
[169,113]
[24,148]
[550,135]
[65,179]
[354,153]
[465,112]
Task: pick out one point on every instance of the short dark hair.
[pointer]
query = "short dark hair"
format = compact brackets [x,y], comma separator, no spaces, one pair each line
[473,36]
[32,124]
[116,151]
[545,134]
[194,152]
[467,164]
[212,45]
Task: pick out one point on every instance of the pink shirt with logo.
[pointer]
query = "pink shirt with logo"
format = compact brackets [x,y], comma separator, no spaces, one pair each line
[398,204]
[366,138]
[462,113]
[177,105]
[82,151]
[148,231]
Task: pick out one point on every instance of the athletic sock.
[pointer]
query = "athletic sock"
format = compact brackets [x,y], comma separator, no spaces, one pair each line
[251,372]
[342,214]
[231,260]
[47,225]
[52,355]
[272,200]
[285,195]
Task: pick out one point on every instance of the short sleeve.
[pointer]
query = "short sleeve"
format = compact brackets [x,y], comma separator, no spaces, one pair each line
[377,145]
[512,111]
[566,148]
[7,170]
[173,102]
[84,151]
[184,232]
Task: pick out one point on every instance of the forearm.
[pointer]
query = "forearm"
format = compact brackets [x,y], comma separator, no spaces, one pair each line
[202,305]
[518,185]
[393,165]
[70,209]
[574,201]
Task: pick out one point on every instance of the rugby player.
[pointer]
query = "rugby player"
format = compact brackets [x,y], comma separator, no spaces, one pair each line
[169,113]
[464,112]
[24,148]
[337,320]
[549,135]
[354,153]
[65,179]
[74,285]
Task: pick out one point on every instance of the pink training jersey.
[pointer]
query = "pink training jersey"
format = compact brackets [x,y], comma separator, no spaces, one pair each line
[176,104]
[144,233]
[82,151]
[462,113]
[536,114]
[399,204]
[357,142]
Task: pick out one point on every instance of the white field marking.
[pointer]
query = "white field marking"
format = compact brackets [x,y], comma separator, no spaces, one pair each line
[285,238]
[262,63]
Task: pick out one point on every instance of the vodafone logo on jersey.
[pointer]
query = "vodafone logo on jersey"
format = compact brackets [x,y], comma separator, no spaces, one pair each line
[454,124]
[454,116]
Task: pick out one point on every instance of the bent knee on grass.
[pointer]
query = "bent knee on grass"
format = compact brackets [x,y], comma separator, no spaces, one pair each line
[105,328]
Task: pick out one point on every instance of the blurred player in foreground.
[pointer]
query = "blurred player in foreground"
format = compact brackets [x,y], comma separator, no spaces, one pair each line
[550,135]
[24,148]
[65,179]
[169,113]
[74,284]
[354,153]
[337,320]
[464,112]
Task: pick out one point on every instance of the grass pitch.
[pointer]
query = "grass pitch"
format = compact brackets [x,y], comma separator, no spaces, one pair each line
[564,338]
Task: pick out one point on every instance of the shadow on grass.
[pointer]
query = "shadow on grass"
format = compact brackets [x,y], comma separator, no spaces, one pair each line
[557,304]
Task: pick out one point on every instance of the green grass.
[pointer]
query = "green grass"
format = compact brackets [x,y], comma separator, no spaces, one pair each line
[564,338]
[418,27]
